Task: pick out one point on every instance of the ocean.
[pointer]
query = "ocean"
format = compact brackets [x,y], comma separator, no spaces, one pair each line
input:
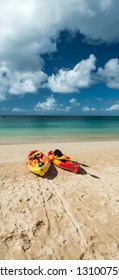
[45,127]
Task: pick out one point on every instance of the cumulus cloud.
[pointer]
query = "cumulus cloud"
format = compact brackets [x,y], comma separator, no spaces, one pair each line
[15,82]
[74,102]
[67,81]
[114,107]
[30,28]
[110,73]
[87,109]
[35,25]
[18,110]
[26,82]
[25,28]
[51,105]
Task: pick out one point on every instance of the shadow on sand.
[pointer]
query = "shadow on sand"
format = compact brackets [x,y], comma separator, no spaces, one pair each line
[82,171]
[52,173]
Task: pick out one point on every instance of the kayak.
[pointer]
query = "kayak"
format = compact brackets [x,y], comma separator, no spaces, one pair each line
[38,163]
[63,161]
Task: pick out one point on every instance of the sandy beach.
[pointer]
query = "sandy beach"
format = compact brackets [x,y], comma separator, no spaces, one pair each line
[62,216]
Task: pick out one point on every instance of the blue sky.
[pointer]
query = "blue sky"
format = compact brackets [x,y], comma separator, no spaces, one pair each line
[59,59]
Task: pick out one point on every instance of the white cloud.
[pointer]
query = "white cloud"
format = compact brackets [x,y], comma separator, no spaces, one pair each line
[110,73]
[25,28]
[18,110]
[114,107]
[87,109]
[15,82]
[26,82]
[67,81]
[30,28]
[93,109]
[74,102]
[49,105]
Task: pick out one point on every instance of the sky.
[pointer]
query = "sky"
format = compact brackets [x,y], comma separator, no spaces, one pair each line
[59,57]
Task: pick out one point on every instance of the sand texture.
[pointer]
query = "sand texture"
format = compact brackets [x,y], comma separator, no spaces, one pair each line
[62,216]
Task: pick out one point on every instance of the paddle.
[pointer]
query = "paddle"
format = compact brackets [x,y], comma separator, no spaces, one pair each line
[94,176]
[81,170]
[85,165]
[72,161]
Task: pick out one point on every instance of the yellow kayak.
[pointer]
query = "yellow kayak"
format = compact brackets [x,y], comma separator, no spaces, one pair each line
[38,163]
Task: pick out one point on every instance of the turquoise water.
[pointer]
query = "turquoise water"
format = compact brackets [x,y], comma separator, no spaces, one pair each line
[31,126]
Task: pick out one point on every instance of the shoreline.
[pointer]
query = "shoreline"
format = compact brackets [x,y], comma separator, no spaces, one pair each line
[62,216]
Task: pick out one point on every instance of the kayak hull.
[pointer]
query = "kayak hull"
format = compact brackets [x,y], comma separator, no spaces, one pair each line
[38,163]
[64,162]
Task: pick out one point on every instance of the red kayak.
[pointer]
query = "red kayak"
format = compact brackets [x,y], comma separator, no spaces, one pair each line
[63,161]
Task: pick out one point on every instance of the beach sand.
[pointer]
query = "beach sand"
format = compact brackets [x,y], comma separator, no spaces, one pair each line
[63,216]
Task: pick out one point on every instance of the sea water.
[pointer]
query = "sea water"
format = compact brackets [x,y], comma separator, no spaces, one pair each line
[52,126]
